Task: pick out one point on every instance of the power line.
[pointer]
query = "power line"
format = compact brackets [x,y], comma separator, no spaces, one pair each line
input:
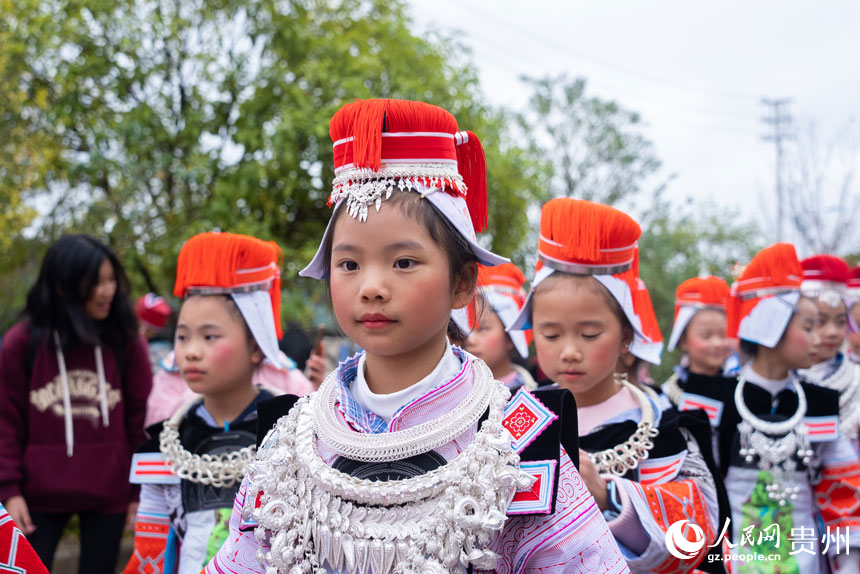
[779,122]
[567,51]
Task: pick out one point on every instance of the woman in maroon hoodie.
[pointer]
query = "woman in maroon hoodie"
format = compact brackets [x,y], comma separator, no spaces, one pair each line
[74,378]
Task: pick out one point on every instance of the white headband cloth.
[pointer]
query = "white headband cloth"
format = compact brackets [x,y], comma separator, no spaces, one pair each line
[618,288]
[453,208]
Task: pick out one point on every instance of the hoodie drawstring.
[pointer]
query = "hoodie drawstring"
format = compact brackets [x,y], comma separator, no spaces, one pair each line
[100,369]
[67,399]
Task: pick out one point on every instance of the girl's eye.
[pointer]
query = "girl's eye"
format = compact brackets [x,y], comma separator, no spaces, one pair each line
[550,337]
[348,265]
[591,336]
[180,337]
[211,337]
[404,263]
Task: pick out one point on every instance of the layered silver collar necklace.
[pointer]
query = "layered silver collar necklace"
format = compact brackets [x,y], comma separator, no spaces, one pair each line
[626,456]
[218,470]
[315,517]
[777,445]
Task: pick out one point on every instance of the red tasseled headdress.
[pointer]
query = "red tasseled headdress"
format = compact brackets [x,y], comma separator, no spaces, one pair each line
[586,238]
[228,263]
[773,270]
[702,292]
[506,278]
[645,310]
[854,280]
[399,143]
[827,268]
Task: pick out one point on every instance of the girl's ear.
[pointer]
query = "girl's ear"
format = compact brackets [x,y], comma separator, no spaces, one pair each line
[257,355]
[682,342]
[626,337]
[464,287]
[626,359]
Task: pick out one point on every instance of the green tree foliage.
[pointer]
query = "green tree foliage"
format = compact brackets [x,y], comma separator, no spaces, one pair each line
[680,242]
[146,121]
[597,148]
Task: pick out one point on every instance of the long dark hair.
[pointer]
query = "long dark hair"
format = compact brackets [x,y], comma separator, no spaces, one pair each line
[56,302]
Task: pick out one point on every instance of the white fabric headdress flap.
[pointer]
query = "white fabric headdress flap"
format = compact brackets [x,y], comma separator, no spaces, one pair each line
[461,319]
[647,351]
[256,309]
[685,315]
[768,320]
[508,311]
[453,208]
[616,287]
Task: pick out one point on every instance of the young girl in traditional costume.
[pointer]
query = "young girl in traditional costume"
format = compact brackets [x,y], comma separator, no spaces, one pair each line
[788,471]
[825,279]
[401,461]
[644,470]
[499,299]
[191,468]
[700,332]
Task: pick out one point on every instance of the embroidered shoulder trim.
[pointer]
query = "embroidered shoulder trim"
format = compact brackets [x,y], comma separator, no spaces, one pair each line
[661,470]
[151,468]
[538,498]
[712,407]
[526,418]
[822,429]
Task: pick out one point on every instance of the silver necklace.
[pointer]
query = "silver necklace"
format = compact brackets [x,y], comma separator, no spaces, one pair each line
[777,455]
[220,470]
[846,380]
[399,444]
[312,514]
[672,389]
[627,455]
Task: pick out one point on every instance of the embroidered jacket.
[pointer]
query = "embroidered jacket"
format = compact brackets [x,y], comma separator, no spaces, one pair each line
[554,527]
[16,554]
[180,524]
[676,482]
[829,488]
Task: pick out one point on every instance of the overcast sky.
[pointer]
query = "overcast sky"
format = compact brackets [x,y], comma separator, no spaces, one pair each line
[695,71]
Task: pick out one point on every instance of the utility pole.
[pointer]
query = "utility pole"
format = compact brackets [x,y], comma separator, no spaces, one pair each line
[779,122]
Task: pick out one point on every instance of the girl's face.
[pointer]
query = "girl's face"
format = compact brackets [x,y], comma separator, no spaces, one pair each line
[100,298]
[577,336]
[391,285]
[213,349]
[705,341]
[489,341]
[800,338]
[830,326]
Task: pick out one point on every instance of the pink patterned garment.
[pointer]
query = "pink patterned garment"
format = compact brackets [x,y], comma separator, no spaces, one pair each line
[573,539]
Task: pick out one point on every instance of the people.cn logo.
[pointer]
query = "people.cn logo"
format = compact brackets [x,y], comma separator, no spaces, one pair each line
[677,543]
